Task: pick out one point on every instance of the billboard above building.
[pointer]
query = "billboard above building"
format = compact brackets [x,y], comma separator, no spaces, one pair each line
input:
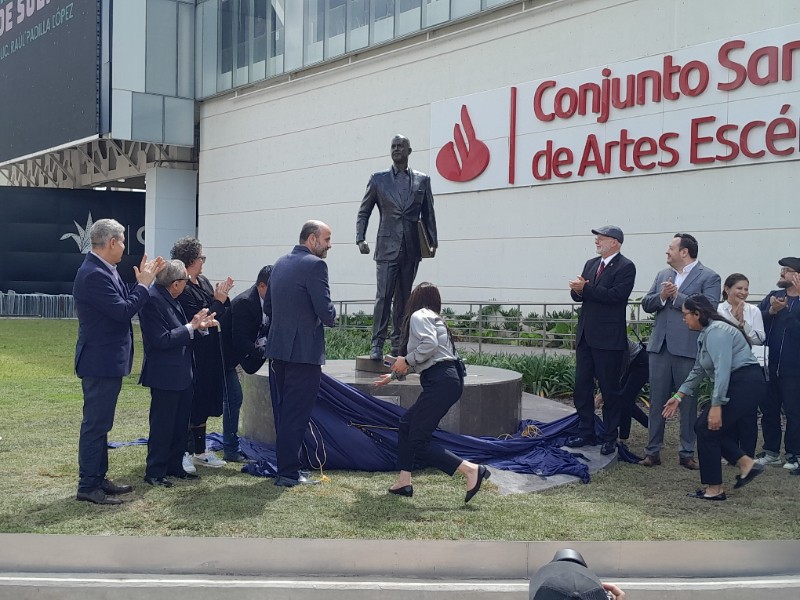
[726,103]
[49,74]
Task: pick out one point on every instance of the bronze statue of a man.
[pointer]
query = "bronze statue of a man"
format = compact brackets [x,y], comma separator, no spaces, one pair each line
[403,197]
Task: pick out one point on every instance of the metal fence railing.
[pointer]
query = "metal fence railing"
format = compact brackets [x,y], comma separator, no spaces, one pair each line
[532,324]
[37,305]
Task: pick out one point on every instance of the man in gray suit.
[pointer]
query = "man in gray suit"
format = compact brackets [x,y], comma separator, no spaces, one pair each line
[298,302]
[673,346]
[403,197]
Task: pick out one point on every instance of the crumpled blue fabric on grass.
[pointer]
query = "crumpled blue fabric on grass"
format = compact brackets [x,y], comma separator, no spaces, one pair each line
[351,430]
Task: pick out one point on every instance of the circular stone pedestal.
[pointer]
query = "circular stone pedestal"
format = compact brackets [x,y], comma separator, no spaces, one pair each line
[490,405]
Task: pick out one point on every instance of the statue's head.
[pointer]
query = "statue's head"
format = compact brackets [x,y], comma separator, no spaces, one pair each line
[401,148]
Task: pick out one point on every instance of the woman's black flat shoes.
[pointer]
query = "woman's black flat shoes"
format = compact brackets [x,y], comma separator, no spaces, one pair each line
[406,491]
[483,473]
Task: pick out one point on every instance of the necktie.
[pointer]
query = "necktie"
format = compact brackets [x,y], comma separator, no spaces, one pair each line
[600,269]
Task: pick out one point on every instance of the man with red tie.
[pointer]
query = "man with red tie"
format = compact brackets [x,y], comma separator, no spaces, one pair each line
[601,339]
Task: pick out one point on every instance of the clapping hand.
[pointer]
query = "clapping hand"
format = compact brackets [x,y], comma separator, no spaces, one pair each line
[577,285]
[147,270]
[203,320]
[222,289]
[668,290]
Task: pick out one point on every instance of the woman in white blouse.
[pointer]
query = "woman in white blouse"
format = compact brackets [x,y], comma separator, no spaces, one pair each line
[735,308]
[429,351]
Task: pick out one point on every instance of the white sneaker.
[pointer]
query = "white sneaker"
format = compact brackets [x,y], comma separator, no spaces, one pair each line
[187,463]
[767,459]
[791,463]
[208,459]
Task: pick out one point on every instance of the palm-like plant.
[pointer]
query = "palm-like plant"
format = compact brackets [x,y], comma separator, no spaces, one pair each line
[82,237]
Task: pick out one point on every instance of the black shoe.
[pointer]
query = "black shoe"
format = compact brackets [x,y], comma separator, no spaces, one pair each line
[239,457]
[182,475]
[577,441]
[112,489]
[608,448]
[376,354]
[406,491]
[483,473]
[289,482]
[97,496]
[756,470]
[163,481]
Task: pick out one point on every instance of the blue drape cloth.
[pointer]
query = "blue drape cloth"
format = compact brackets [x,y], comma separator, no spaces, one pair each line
[351,430]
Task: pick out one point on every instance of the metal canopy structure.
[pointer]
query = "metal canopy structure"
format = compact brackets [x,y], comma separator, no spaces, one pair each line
[111,162]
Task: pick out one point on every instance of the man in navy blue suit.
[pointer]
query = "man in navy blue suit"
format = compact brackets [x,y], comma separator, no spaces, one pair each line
[168,371]
[104,352]
[298,302]
[602,339]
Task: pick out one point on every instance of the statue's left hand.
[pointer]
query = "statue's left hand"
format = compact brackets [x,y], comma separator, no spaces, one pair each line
[363,247]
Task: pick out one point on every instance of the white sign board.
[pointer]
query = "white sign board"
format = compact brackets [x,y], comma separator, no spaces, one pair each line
[731,102]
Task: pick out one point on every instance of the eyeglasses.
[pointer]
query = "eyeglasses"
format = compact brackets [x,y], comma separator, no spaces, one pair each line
[184,279]
[786,270]
[203,258]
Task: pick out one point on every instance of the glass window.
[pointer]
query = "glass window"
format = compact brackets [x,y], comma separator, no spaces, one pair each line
[314,31]
[409,17]
[161,48]
[382,20]
[335,26]
[208,15]
[185,50]
[435,12]
[277,37]
[357,24]
[225,44]
[244,23]
[461,8]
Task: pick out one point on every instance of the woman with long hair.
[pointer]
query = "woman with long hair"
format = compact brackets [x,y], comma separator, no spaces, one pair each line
[429,350]
[724,356]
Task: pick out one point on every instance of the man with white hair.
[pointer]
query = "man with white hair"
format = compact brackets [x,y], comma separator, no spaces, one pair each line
[104,352]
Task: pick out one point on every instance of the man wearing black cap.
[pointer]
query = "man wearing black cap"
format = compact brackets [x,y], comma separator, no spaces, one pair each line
[567,577]
[781,312]
[601,339]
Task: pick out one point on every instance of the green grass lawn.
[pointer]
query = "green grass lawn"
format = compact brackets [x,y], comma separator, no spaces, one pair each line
[40,414]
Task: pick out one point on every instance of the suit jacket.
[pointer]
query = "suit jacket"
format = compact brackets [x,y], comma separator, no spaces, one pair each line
[603,319]
[397,220]
[247,321]
[167,343]
[298,302]
[105,306]
[669,327]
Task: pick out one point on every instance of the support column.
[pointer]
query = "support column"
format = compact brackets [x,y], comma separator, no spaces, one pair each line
[170,208]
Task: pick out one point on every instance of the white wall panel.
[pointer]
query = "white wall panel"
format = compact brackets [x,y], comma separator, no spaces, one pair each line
[272,158]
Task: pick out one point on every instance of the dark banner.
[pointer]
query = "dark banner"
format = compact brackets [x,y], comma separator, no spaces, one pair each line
[49,74]
[44,235]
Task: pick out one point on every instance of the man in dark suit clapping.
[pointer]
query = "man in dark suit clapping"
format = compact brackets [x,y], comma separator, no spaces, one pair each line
[298,301]
[602,341]
[403,197]
[168,371]
[104,352]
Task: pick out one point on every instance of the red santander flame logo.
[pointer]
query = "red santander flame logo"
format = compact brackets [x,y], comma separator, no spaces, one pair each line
[464,159]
